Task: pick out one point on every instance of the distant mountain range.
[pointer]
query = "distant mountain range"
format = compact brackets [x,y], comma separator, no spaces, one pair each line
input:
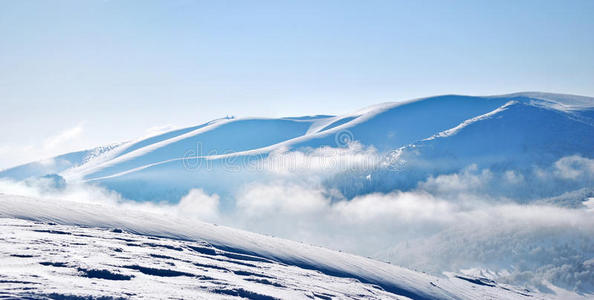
[414,139]
[499,189]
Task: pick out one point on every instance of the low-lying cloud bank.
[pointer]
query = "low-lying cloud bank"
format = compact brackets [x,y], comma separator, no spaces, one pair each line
[196,204]
[322,161]
[532,244]
[462,221]
[479,221]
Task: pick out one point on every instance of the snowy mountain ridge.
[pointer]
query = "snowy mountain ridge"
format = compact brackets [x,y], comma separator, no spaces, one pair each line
[299,133]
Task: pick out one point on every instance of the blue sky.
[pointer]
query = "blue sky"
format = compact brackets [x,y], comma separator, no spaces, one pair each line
[75,74]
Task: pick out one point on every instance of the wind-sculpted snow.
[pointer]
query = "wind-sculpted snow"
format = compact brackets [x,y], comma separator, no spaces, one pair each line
[63,249]
[385,127]
[40,260]
[221,137]
[454,183]
[58,164]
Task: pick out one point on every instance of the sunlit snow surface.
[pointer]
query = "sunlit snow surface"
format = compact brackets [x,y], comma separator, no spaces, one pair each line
[73,249]
[447,133]
[495,187]
[41,259]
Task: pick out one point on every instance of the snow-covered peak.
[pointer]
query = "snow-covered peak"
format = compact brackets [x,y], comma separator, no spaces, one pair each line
[556,101]
[385,126]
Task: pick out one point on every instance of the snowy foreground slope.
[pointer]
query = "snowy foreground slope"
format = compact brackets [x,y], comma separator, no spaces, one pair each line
[64,249]
[41,260]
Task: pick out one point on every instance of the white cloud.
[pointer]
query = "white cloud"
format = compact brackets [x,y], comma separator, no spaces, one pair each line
[280,198]
[513,177]
[450,222]
[47,188]
[157,130]
[65,136]
[323,160]
[470,179]
[199,204]
[405,207]
[68,140]
[519,244]
[196,204]
[572,167]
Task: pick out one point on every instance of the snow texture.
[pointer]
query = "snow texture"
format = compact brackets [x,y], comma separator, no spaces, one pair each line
[72,249]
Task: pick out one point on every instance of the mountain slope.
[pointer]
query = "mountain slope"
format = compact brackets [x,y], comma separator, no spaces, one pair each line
[146,249]
[391,176]
[531,128]
[517,136]
[432,135]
